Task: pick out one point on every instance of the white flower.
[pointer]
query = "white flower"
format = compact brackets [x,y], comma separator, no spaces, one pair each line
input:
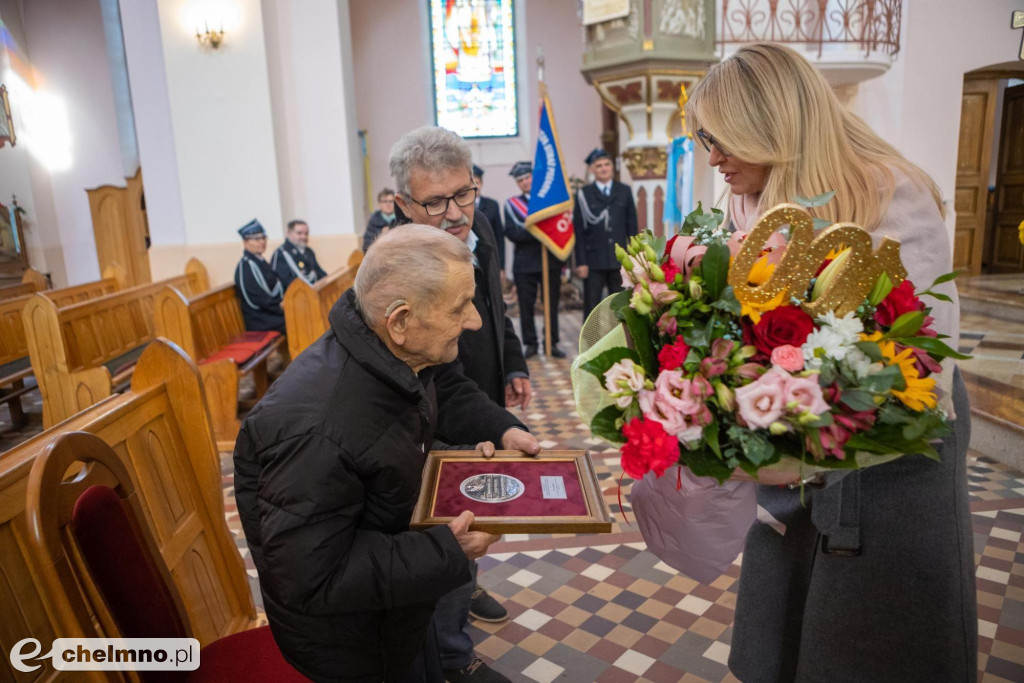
[858,362]
[623,380]
[849,327]
[831,343]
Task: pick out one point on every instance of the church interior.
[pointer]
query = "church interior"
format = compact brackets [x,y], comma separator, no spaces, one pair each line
[139,136]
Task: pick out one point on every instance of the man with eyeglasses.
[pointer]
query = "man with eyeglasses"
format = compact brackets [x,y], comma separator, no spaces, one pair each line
[527,267]
[259,290]
[432,168]
[604,216]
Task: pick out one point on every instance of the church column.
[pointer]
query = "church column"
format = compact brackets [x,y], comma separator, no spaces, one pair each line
[638,63]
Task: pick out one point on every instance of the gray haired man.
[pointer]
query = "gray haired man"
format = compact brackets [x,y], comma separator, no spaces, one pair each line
[433,171]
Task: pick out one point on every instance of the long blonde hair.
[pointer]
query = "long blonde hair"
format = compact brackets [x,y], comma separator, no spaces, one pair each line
[767,105]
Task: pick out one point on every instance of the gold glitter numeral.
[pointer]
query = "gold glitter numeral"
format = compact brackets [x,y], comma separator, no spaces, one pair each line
[804,255]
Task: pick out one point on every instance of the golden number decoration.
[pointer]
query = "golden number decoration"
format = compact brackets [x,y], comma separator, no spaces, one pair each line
[804,255]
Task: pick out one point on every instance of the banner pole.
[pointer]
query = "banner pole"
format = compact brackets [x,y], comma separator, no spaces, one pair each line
[547,301]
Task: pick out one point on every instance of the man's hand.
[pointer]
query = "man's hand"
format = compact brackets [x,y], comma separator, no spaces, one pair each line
[473,543]
[485,449]
[582,272]
[518,393]
[516,439]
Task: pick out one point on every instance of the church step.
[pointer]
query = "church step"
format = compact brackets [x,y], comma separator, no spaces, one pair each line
[997,427]
[994,296]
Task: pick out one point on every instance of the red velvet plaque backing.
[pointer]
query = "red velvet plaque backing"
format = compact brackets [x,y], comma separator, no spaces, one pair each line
[450,501]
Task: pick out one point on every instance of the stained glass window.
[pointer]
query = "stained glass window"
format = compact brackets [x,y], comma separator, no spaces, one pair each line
[473,52]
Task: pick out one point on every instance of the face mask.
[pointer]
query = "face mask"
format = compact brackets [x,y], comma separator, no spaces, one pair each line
[387,216]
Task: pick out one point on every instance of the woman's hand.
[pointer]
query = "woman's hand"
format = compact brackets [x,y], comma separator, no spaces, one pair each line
[767,477]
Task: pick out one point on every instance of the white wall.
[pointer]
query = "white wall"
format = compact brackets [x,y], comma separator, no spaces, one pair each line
[220,113]
[916,104]
[393,85]
[312,93]
[66,45]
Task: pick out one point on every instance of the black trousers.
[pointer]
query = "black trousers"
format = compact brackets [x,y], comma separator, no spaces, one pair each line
[527,286]
[595,284]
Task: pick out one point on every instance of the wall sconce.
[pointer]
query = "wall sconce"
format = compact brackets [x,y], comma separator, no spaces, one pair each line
[210,38]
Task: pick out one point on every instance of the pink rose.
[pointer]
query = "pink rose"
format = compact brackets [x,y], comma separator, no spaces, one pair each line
[762,402]
[806,393]
[789,358]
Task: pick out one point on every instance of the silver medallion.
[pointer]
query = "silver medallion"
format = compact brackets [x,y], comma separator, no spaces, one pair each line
[492,488]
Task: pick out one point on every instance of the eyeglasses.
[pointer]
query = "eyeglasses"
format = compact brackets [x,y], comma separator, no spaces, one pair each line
[708,141]
[439,206]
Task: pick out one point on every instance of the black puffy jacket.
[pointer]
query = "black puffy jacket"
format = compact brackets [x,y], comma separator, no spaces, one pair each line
[327,471]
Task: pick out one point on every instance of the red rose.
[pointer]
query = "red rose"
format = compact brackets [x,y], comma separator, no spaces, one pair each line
[778,327]
[648,447]
[670,269]
[672,356]
[900,300]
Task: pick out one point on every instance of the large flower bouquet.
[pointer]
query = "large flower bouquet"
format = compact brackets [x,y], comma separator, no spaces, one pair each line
[771,349]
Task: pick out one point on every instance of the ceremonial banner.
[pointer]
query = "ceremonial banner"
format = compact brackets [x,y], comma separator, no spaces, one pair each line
[550,210]
[679,184]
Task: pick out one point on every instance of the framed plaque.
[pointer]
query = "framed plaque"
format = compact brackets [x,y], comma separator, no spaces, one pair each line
[556,492]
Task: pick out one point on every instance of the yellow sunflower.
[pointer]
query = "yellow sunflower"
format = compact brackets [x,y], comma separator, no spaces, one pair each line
[918,395]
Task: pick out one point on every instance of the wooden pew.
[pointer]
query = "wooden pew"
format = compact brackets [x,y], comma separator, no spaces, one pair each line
[161,429]
[18,290]
[209,328]
[306,306]
[15,365]
[83,352]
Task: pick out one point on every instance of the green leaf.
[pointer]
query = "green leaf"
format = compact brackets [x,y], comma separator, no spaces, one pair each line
[883,381]
[821,223]
[603,362]
[871,350]
[820,200]
[640,333]
[605,425]
[934,346]
[937,295]
[703,463]
[862,442]
[906,325]
[711,438]
[883,285]
[858,400]
[714,269]
[728,302]
[696,336]
[945,278]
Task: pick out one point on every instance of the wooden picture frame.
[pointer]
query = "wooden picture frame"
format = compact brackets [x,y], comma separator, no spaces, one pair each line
[6,122]
[443,492]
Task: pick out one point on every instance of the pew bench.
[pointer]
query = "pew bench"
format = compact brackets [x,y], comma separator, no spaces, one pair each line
[306,306]
[161,430]
[210,329]
[84,352]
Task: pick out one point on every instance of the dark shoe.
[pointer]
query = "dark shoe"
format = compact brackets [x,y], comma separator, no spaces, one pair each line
[530,351]
[476,672]
[485,608]
[557,352]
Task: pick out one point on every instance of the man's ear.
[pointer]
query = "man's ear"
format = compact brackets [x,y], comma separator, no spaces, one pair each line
[398,324]
[400,201]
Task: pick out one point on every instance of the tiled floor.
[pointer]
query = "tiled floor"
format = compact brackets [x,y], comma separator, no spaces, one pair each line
[601,608]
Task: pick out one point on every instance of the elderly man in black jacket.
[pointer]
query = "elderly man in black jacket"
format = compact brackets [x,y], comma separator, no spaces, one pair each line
[328,467]
[432,168]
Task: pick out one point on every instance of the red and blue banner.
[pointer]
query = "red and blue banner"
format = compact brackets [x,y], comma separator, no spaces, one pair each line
[550,210]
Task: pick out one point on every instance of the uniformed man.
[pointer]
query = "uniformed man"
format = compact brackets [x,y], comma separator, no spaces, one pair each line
[490,209]
[294,258]
[605,215]
[527,267]
[256,282]
[382,219]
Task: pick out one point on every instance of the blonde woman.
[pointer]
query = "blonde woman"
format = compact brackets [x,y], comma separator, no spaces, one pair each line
[873,578]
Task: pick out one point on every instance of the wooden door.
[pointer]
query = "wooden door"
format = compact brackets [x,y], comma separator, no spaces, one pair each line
[119,226]
[977,120]
[1007,250]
